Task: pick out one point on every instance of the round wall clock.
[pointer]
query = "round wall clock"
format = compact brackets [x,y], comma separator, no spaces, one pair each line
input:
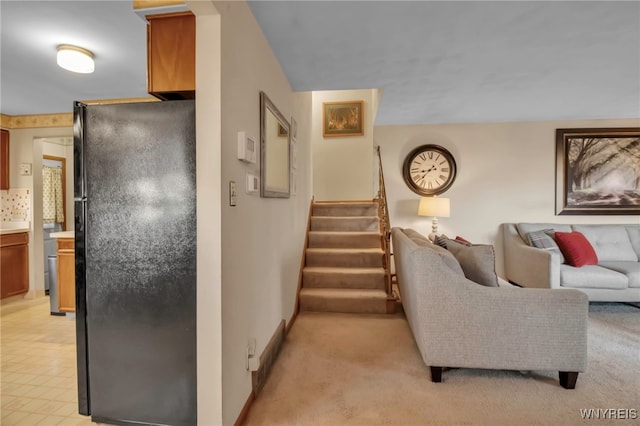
[429,170]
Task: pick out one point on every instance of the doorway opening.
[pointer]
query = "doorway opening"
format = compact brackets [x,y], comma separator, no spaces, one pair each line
[54,171]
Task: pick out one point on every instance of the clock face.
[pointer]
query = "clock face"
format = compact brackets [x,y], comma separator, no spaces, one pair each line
[429,170]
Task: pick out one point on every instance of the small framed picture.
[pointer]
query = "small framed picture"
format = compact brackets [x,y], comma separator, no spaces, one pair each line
[342,119]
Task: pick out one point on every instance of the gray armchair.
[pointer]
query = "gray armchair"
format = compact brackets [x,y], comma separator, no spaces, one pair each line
[458,323]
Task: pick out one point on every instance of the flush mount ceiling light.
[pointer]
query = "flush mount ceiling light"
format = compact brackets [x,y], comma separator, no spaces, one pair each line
[75,59]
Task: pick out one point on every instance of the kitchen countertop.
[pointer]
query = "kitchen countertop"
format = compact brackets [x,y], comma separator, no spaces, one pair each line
[14,227]
[63,234]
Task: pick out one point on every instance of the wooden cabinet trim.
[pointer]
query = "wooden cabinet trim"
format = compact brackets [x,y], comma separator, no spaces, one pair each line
[19,238]
[4,159]
[169,15]
[147,4]
[66,244]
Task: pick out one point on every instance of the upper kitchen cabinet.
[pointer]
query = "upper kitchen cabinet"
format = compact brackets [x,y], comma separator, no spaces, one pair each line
[4,161]
[171,55]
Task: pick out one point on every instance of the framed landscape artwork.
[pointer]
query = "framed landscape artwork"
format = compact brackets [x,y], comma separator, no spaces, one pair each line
[342,119]
[598,171]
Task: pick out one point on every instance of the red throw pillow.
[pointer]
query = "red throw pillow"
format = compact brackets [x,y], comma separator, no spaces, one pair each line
[576,249]
[462,240]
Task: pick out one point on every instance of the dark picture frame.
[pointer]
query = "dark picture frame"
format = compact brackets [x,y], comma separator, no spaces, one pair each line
[342,119]
[598,171]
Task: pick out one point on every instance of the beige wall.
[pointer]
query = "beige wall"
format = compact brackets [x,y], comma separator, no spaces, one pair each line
[343,166]
[208,195]
[506,173]
[262,238]
[26,147]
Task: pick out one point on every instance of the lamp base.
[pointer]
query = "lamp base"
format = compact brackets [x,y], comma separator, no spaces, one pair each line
[434,229]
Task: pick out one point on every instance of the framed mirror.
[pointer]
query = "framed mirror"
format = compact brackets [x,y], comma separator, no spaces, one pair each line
[275,168]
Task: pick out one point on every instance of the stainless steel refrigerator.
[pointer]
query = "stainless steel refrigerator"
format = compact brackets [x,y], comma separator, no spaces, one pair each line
[135,235]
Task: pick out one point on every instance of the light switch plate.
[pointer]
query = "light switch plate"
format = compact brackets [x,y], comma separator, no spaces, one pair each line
[253,184]
[25,169]
[233,193]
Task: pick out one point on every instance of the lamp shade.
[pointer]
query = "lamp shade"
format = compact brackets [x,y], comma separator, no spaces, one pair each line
[75,59]
[434,206]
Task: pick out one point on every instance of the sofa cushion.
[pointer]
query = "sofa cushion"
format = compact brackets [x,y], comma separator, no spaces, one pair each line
[544,240]
[477,261]
[446,257]
[634,237]
[412,234]
[610,242]
[462,240]
[440,240]
[525,228]
[576,249]
[630,269]
[592,276]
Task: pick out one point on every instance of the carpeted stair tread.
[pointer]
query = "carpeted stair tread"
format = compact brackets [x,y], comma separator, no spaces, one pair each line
[345,223]
[345,250]
[336,277]
[338,239]
[343,300]
[359,258]
[345,209]
[340,270]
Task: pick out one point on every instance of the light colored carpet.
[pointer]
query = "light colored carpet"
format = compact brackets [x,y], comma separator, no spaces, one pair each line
[344,369]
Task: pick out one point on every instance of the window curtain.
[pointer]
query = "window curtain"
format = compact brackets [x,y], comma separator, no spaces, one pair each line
[53,211]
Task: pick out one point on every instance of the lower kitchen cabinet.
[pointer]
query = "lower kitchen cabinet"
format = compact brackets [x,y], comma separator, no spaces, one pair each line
[66,275]
[14,264]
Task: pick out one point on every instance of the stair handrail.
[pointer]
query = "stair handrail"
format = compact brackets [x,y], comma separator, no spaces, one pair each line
[385,224]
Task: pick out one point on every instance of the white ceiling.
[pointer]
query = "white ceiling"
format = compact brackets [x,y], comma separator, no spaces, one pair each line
[32,83]
[436,62]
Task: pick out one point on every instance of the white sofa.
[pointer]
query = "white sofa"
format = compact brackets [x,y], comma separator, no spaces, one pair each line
[616,277]
[457,322]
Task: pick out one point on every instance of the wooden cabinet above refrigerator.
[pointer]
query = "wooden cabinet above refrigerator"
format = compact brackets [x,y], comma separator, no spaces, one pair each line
[171,55]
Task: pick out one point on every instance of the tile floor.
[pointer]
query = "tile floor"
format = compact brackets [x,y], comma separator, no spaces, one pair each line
[37,366]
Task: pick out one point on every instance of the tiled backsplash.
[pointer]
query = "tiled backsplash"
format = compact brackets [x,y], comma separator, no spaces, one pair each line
[16,204]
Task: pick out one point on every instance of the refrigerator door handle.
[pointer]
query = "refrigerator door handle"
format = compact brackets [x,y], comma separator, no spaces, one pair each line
[80,216]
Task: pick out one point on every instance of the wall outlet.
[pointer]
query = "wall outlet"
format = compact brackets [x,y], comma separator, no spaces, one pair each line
[251,358]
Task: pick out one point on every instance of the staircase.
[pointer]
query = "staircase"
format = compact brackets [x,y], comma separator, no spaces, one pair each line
[344,261]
